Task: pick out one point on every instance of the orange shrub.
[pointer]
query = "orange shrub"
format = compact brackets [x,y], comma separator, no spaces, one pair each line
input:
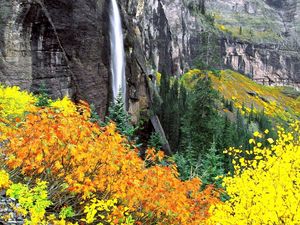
[93,160]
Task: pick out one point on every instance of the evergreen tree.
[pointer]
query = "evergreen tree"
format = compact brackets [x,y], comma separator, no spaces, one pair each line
[212,166]
[43,98]
[173,116]
[228,134]
[200,122]
[228,140]
[155,141]
[242,133]
[119,115]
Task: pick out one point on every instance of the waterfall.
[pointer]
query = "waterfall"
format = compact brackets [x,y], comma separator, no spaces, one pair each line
[117,52]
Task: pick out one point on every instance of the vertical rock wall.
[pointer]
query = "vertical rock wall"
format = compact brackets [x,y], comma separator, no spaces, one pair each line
[265,63]
[265,40]
[60,44]
[170,34]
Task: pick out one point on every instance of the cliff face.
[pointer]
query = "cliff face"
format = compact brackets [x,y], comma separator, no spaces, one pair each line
[170,35]
[268,64]
[265,38]
[58,44]
[160,35]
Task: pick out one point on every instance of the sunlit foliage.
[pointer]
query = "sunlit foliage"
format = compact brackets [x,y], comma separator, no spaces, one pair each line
[32,202]
[14,103]
[64,105]
[265,186]
[4,180]
[88,168]
[244,93]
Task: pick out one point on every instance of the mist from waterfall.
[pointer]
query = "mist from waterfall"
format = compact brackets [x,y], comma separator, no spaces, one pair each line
[117,52]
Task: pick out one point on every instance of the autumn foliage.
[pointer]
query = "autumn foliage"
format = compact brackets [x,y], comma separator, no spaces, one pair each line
[97,171]
[265,186]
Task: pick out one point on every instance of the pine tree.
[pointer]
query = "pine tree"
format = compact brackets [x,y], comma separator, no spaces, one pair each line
[119,115]
[43,98]
[200,122]
[212,166]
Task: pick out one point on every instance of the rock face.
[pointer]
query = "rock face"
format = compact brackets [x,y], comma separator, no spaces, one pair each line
[61,44]
[265,63]
[266,43]
[169,33]
[160,35]
[171,36]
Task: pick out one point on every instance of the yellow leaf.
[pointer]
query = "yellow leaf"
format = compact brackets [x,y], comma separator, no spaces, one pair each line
[251,141]
[256,134]
[270,140]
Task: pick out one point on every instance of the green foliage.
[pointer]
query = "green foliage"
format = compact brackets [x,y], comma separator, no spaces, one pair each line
[212,166]
[170,110]
[119,115]
[43,98]
[66,212]
[242,132]
[94,115]
[203,132]
[184,167]
[32,202]
[155,141]
[201,120]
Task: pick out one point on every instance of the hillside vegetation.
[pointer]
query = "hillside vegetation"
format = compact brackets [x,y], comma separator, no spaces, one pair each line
[64,169]
[245,93]
[61,165]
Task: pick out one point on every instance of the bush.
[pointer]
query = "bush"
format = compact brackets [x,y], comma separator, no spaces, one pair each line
[264,188]
[155,141]
[43,98]
[119,115]
[93,170]
[15,103]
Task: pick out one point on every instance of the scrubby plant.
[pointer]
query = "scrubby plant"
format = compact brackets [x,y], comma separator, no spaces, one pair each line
[212,167]
[81,161]
[155,141]
[265,185]
[32,203]
[4,179]
[15,103]
[42,96]
[65,106]
[118,114]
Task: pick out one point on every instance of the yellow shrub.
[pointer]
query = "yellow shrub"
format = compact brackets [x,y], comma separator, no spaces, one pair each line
[65,105]
[4,180]
[265,188]
[32,202]
[14,103]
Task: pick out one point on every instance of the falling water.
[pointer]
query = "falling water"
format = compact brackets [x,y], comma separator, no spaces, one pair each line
[117,52]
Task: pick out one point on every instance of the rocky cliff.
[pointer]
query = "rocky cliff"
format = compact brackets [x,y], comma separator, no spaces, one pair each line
[170,33]
[160,35]
[60,44]
[268,64]
[258,38]
[262,38]
[64,46]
